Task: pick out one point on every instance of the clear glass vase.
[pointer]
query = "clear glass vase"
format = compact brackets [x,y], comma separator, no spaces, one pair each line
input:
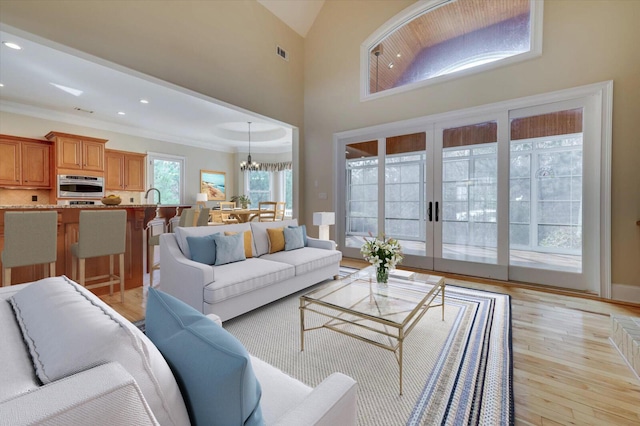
[382,275]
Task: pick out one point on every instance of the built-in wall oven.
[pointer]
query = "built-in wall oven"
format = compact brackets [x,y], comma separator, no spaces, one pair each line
[72,186]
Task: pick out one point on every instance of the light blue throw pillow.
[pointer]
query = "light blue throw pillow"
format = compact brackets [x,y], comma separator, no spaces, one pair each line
[303,228]
[293,238]
[229,248]
[212,368]
[203,249]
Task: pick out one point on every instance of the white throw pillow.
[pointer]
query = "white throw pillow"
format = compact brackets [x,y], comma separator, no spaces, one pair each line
[68,330]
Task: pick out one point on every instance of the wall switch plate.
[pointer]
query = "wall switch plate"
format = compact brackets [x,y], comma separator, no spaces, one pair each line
[34,198]
[322,195]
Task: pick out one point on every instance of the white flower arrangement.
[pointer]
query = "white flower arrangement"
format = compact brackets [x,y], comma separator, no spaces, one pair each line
[382,252]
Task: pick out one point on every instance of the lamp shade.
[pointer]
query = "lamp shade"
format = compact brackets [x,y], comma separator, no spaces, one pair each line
[324,218]
[201,197]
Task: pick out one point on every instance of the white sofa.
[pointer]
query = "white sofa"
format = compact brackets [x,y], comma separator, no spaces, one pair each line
[235,288]
[102,370]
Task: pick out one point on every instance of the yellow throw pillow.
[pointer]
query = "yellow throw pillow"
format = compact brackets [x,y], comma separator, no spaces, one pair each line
[248,243]
[276,239]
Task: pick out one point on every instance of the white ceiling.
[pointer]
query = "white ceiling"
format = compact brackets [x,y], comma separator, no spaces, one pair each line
[173,114]
[297,14]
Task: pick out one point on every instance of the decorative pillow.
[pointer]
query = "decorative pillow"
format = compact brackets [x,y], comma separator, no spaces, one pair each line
[212,367]
[229,248]
[248,243]
[276,239]
[259,233]
[304,233]
[203,249]
[293,239]
[68,330]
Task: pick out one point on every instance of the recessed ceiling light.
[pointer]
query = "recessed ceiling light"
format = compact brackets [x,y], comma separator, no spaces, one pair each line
[144,101]
[1,85]
[121,113]
[12,45]
[390,64]
[398,54]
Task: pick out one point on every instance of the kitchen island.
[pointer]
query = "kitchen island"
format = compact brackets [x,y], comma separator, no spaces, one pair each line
[138,218]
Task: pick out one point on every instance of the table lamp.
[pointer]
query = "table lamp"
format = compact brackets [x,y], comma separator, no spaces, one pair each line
[201,199]
[322,220]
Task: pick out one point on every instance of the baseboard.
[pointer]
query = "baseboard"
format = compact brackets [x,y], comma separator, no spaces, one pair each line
[625,292]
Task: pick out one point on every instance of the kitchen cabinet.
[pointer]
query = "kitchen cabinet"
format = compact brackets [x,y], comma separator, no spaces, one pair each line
[124,171]
[24,162]
[75,152]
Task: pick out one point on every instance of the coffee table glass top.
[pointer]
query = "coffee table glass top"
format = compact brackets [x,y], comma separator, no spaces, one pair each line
[360,294]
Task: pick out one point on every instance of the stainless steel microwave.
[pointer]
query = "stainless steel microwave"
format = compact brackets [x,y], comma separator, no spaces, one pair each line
[72,186]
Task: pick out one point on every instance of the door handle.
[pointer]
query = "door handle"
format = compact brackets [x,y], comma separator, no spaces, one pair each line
[437,211]
[429,211]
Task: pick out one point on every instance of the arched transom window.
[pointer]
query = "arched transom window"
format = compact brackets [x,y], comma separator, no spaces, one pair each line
[438,39]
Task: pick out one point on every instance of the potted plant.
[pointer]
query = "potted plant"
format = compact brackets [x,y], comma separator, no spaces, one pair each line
[242,199]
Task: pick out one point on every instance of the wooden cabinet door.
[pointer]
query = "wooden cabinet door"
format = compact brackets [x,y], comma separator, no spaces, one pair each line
[35,165]
[134,172]
[10,162]
[114,170]
[93,155]
[69,153]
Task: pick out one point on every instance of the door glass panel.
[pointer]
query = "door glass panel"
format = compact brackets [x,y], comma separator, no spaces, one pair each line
[405,207]
[546,191]
[362,192]
[469,193]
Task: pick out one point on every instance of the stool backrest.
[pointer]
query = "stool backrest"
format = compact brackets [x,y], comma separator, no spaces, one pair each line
[30,238]
[102,233]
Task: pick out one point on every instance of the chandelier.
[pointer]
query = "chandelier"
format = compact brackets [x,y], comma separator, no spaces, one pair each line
[249,165]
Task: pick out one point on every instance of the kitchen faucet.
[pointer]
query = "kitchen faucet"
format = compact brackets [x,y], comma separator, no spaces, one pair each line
[146,195]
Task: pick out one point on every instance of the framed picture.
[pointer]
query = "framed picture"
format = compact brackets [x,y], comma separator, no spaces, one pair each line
[213,183]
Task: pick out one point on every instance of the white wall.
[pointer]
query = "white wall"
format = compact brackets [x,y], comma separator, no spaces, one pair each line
[584,42]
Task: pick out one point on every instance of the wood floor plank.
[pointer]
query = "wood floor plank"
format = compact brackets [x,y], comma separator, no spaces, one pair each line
[565,370]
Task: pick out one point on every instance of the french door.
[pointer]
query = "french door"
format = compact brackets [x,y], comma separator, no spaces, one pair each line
[503,194]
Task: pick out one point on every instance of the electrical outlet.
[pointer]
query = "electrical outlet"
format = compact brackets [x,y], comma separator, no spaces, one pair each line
[131,200]
[34,198]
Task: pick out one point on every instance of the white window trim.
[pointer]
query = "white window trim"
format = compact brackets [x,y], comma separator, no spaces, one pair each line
[418,8]
[159,155]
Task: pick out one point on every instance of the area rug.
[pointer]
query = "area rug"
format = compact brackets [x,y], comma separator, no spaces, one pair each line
[456,372]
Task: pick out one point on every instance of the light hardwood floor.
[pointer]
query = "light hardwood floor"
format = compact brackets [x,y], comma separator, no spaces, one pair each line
[566,371]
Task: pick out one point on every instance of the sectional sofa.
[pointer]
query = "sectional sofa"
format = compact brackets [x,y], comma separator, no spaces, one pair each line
[265,274]
[67,358]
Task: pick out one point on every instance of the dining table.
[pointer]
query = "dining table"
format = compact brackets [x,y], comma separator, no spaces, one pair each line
[243,215]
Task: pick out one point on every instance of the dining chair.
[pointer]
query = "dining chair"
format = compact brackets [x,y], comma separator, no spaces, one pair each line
[203,217]
[30,238]
[101,233]
[187,217]
[281,207]
[267,211]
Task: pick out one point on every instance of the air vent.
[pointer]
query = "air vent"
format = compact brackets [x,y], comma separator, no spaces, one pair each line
[282,53]
[83,110]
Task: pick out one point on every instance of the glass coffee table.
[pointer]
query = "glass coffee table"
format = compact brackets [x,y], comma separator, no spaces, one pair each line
[357,306]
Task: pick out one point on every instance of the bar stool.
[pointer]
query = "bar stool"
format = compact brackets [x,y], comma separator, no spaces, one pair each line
[102,233]
[152,242]
[30,238]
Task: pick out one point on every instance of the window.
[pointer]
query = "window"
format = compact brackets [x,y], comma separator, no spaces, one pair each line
[166,173]
[259,186]
[436,39]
